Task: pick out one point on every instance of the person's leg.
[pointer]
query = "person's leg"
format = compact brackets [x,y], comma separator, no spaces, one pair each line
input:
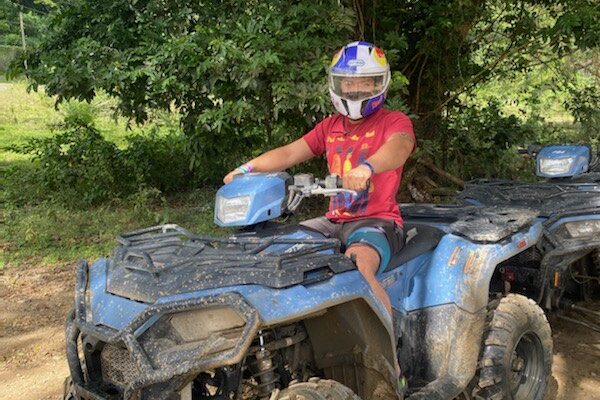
[373,241]
[367,262]
[368,241]
[323,225]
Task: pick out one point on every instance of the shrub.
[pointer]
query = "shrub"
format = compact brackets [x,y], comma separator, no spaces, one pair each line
[160,161]
[480,142]
[78,166]
[584,104]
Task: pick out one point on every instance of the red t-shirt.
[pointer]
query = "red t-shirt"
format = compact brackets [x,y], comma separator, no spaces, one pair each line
[347,146]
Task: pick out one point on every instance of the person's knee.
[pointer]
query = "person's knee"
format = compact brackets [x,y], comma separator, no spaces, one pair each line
[367,259]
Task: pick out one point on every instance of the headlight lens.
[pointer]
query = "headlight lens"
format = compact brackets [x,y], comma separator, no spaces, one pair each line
[233,209]
[193,334]
[581,229]
[556,166]
[201,324]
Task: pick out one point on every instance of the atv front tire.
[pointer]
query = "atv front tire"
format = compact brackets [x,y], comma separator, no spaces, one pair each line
[69,390]
[516,358]
[317,389]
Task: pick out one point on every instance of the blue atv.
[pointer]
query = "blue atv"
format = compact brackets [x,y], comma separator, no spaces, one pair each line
[568,204]
[277,311]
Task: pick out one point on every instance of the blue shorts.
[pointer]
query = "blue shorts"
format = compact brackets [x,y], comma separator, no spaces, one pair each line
[383,235]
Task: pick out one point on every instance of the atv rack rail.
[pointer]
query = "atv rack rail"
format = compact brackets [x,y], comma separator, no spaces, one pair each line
[187,262]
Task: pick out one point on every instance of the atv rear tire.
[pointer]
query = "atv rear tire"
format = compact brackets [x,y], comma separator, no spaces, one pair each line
[516,358]
[317,389]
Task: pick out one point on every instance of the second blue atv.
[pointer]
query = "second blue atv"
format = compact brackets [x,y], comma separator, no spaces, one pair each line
[276,311]
[568,204]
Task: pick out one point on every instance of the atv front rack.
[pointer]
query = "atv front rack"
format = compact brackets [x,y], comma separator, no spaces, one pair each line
[168,259]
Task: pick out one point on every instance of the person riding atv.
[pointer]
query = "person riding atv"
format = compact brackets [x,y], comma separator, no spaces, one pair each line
[365,145]
[277,311]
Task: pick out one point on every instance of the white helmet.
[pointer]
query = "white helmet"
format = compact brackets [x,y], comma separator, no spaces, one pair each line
[358,79]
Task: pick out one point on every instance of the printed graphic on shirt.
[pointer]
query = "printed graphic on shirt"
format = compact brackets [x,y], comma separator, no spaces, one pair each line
[359,203]
[345,203]
[346,150]
[345,158]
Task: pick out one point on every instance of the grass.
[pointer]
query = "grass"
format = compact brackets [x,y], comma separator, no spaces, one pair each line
[25,115]
[51,233]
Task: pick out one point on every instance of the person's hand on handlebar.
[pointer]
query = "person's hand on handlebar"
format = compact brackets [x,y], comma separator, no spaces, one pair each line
[358,178]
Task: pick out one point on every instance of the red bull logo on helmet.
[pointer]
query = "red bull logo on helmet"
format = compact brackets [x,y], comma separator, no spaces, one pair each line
[379,56]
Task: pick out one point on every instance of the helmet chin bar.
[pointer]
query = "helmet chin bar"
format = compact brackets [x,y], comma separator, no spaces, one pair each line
[355,109]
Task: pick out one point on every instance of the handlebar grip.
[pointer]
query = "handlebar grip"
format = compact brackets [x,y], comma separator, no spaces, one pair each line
[333,181]
[336,182]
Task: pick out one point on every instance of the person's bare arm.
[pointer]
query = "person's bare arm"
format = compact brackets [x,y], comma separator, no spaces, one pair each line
[278,159]
[392,155]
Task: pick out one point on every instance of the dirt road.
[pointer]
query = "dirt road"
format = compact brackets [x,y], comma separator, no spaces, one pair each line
[34,302]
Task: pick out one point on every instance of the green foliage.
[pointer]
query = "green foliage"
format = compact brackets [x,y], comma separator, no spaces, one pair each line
[584,104]
[78,166]
[78,114]
[249,76]
[7,54]
[482,142]
[33,22]
[449,48]
[160,161]
[245,76]
[10,34]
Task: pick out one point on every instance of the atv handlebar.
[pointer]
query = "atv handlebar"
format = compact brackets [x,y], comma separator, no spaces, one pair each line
[306,185]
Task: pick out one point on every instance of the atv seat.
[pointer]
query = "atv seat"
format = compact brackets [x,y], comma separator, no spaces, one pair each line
[420,238]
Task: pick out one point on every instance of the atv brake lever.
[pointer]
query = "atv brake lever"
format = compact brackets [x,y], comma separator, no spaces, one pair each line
[332,192]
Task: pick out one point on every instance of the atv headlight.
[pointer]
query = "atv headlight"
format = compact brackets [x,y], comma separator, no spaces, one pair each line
[232,209]
[193,334]
[556,166]
[580,229]
[201,324]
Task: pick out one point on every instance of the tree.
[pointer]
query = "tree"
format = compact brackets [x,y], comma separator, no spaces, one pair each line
[446,48]
[33,16]
[251,75]
[243,75]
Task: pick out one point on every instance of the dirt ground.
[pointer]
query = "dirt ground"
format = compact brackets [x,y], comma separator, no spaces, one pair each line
[34,302]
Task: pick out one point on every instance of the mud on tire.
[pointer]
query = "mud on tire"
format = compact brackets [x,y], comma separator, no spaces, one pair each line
[516,358]
[68,390]
[317,389]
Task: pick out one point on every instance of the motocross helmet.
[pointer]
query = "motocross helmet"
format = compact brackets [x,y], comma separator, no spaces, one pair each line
[358,79]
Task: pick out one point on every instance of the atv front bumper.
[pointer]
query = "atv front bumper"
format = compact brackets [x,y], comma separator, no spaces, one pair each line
[146,359]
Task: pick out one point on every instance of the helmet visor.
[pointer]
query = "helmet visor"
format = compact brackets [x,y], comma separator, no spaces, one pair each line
[357,87]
